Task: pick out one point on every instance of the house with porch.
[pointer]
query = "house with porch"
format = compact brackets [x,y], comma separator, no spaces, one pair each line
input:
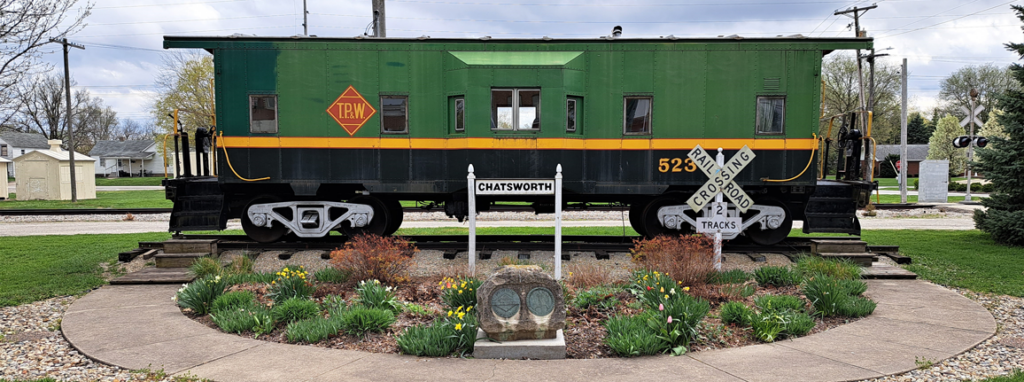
[127,158]
[915,154]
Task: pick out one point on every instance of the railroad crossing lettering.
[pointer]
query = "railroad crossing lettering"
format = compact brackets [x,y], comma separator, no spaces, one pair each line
[721,178]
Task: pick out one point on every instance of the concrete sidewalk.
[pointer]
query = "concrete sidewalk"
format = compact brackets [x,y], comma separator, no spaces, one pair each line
[139,326]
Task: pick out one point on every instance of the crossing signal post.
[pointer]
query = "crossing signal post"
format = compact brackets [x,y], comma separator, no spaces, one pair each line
[969,141]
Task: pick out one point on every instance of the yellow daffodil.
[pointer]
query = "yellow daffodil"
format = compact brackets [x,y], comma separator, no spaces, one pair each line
[469,308]
[662,289]
[460,291]
[449,313]
[666,297]
[458,326]
[461,315]
[686,289]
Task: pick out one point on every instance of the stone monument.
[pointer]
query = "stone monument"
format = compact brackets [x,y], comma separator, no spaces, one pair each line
[521,311]
[933,184]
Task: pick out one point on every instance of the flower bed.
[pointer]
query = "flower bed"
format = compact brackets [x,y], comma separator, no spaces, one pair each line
[651,312]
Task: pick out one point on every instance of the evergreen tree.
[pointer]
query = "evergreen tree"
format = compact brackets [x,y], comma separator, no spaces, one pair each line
[918,131]
[940,146]
[1002,162]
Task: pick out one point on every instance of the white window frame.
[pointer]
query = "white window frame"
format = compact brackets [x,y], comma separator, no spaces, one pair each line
[277,107]
[515,108]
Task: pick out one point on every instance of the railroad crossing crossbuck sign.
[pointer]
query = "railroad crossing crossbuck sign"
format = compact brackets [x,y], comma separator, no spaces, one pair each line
[721,181]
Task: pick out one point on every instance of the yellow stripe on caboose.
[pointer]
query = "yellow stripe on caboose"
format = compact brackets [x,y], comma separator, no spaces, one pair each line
[471,143]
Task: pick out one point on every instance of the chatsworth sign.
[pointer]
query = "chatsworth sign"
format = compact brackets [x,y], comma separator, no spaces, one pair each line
[515,187]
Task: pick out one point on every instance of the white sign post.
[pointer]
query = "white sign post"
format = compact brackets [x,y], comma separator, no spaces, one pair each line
[973,118]
[716,219]
[515,187]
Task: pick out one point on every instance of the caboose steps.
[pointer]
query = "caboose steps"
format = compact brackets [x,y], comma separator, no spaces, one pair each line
[862,259]
[822,246]
[178,260]
[155,276]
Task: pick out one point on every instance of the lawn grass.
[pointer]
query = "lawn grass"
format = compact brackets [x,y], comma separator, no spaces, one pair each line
[964,259]
[1015,376]
[893,199]
[104,199]
[138,181]
[39,267]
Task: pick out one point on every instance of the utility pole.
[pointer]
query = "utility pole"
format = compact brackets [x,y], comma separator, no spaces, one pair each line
[903,136]
[871,106]
[857,12]
[379,29]
[970,147]
[67,94]
[305,21]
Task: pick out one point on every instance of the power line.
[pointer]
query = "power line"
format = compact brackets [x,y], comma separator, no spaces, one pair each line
[165,5]
[192,20]
[958,18]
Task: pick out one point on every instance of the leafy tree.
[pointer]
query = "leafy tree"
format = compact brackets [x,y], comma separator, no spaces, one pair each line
[25,26]
[940,146]
[186,84]
[993,128]
[919,131]
[1002,162]
[990,80]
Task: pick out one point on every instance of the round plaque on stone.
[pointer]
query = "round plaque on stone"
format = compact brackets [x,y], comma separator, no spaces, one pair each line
[505,302]
[540,301]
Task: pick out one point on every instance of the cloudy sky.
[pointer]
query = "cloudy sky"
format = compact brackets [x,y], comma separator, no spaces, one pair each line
[123,38]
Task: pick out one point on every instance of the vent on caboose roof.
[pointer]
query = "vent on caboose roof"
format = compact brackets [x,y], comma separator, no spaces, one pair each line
[771,84]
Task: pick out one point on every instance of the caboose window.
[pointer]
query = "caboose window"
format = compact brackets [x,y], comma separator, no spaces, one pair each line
[460,114]
[637,111]
[394,114]
[771,113]
[263,113]
[570,115]
[515,109]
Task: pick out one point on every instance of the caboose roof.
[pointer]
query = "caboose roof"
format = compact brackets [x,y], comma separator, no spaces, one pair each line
[826,44]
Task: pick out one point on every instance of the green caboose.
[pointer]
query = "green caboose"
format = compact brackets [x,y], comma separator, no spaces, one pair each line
[328,133]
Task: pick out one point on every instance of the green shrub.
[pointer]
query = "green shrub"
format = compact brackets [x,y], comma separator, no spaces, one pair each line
[799,324]
[239,319]
[311,330]
[767,326]
[857,307]
[373,294]
[295,309]
[844,269]
[358,320]
[239,266]
[290,282]
[250,278]
[234,300]
[459,292]
[854,287]
[601,298]
[827,295]
[200,294]
[436,340]
[205,267]
[629,336]
[988,187]
[734,312]
[675,320]
[334,303]
[776,276]
[735,276]
[780,303]
[917,183]
[331,275]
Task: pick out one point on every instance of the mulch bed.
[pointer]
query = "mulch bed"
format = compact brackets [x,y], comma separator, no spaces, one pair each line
[584,334]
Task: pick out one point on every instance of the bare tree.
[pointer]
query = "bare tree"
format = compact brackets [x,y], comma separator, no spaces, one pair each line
[131,130]
[990,80]
[842,95]
[25,26]
[42,110]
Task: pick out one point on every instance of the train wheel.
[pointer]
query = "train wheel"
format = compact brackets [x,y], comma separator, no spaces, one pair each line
[652,226]
[262,234]
[636,214]
[771,236]
[395,215]
[378,225]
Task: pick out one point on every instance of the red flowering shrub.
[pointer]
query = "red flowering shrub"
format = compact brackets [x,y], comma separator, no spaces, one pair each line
[368,257]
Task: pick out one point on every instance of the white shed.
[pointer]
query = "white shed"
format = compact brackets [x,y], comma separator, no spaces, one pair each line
[46,175]
[3,186]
